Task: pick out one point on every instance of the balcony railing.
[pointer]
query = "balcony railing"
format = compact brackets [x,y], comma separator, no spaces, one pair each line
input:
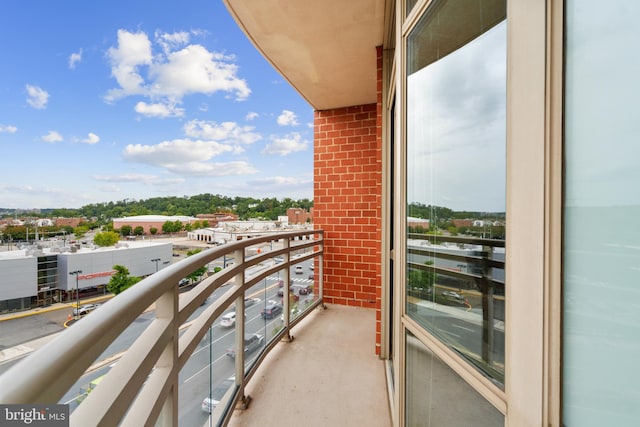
[142,388]
[457,270]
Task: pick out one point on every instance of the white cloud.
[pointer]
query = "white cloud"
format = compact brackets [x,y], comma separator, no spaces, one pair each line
[228,132]
[8,129]
[196,70]
[159,110]
[172,74]
[187,157]
[178,151]
[279,181]
[133,51]
[286,145]
[91,139]
[75,58]
[250,116]
[287,118]
[38,97]
[171,41]
[52,137]
[138,178]
[213,169]
[109,189]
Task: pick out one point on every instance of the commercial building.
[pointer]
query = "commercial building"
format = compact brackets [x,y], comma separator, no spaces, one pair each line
[35,277]
[299,216]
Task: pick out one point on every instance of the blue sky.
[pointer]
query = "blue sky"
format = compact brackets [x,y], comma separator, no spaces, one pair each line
[105,101]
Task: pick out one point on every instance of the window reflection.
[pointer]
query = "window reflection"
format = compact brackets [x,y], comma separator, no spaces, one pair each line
[453,403]
[456,163]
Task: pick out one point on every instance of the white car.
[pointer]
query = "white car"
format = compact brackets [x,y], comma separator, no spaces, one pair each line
[85,309]
[299,269]
[210,402]
[228,320]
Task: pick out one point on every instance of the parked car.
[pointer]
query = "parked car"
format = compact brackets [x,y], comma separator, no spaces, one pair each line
[299,269]
[455,296]
[311,276]
[311,267]
[210,402]
[271,311]
[251,344]
[85,309]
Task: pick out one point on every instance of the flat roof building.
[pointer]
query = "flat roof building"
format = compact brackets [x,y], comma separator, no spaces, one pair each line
[34,277]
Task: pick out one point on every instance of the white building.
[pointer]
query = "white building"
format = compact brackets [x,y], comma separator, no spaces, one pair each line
[34,277]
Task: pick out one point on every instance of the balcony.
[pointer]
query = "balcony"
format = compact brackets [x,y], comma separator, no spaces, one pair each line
[327,374]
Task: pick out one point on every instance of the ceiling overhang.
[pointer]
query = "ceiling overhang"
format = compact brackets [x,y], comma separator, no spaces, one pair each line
[325,49]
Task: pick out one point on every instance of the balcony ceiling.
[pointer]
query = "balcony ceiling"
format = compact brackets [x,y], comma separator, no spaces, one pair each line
[324,48]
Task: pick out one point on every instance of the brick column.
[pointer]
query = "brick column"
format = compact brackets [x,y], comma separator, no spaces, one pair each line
[347,201]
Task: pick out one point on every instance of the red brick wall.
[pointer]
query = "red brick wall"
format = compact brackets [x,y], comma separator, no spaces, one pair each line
[347,201]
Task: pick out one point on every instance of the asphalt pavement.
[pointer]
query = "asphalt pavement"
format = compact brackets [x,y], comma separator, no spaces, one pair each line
[23,332]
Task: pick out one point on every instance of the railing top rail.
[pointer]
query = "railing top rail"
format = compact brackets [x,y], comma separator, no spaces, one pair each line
[440,238]
[79,346]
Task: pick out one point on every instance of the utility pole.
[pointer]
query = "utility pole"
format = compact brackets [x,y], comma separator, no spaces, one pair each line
[76,273]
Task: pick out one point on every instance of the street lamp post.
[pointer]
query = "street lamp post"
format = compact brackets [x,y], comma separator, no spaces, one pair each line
[77,273]
[156,261]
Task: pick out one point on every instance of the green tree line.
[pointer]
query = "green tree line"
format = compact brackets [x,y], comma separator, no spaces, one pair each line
[245,207]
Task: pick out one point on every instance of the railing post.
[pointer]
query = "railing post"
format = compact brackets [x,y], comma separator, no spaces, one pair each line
[488,322]
[167,308]
[286,292]
[239,279]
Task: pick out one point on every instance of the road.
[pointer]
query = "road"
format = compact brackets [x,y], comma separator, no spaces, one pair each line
[206,368]
[459,327]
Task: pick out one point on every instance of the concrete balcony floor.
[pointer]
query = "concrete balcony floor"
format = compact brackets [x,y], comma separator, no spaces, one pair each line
[329,375]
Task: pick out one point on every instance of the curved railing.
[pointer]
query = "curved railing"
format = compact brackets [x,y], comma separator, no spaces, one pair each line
[143,387]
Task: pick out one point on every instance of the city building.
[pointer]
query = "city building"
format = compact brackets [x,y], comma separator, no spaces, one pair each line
[36,276]
[299,216]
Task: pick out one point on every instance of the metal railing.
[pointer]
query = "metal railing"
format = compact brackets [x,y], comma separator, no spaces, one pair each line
[464,264]
[142,388]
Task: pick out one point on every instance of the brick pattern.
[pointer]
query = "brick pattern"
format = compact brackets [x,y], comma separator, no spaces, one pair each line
[347,201]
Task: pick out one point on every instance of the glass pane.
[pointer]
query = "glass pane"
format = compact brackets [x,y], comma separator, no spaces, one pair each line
[456,166]
[437,396]
[208,374]
[601,209]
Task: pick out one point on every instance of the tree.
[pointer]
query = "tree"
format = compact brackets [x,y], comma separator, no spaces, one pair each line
[153,231]
[422,279]
[138,231]
[121,281]
[80,231]
[199,272]
[106,238]
[125,230]
[167,227]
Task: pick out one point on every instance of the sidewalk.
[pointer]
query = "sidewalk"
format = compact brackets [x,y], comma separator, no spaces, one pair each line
[52,307]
